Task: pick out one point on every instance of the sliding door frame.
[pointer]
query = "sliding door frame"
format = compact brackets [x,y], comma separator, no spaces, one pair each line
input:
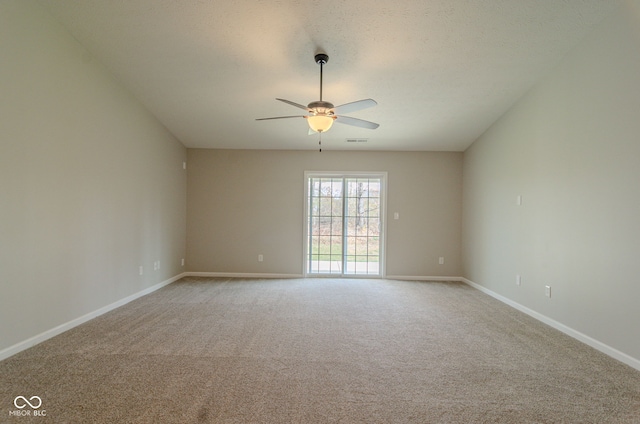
[383,221]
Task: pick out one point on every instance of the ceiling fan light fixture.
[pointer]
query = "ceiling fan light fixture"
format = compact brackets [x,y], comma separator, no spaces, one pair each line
[320,123]
[321,114]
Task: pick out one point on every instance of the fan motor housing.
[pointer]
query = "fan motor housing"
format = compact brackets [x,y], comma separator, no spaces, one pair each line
[320,105]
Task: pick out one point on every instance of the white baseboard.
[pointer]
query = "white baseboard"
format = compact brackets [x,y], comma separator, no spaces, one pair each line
[266,276]
[606,349]
[240,275]
[421,278]
[39,338]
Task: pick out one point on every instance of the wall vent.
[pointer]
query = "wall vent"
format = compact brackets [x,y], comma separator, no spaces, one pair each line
[357,140]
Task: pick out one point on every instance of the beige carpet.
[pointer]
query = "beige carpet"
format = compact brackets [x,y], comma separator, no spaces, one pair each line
[318,351]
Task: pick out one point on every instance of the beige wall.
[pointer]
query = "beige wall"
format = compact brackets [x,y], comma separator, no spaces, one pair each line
[571,149]
[91,185]
[242,203]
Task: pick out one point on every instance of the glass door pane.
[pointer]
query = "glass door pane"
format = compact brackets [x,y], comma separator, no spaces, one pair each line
[362,220]
[344,225]
[325,225]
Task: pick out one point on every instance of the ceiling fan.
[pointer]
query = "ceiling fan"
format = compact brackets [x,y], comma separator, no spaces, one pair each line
[321,114]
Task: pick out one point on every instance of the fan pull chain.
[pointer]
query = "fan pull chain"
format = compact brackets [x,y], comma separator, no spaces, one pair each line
[320,142]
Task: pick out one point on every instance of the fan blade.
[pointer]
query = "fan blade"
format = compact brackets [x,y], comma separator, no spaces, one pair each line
[294,104]
[311,132]
[357,122]
[354,106]
[280,117]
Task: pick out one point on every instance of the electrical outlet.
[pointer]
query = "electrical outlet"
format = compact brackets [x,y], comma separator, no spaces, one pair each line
[518,280]
[140,270]
[260,258]
[182,262]
[441,260]
[547,291]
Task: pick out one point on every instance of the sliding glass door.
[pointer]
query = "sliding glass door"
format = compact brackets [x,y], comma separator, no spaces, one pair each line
[344,226]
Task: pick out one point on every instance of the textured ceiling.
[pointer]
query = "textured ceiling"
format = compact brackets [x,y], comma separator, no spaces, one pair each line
[442,71]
